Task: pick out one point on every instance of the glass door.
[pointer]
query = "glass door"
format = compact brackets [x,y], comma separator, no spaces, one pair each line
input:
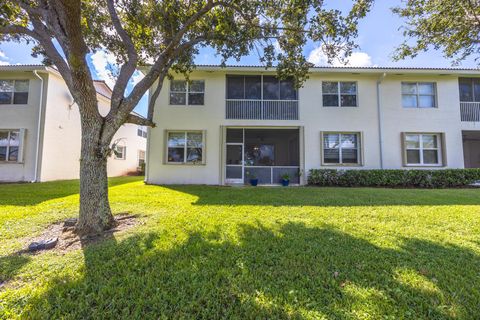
[234,163]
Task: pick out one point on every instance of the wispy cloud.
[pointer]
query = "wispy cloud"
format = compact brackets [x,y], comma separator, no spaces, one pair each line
[105,65]
[4,59]
[357,59]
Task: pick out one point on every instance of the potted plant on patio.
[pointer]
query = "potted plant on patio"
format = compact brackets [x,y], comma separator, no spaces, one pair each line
[253,179]
[285,179]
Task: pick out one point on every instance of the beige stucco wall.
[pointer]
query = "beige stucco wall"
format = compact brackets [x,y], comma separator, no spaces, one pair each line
[314,119]
[22,117]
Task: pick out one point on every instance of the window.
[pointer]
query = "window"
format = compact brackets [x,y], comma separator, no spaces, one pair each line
[341,148]
[14,91]
[423,149]
[141,158]
[256,87]
[10,143]
[469,89]
[120,152]
[190,93]
[185,147]
[142,131]
[339,94]
[418,95]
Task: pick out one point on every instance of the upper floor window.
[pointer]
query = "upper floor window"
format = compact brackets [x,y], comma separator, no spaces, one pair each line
[339,94]
[10,145]
[418,95]
[260,87]
[191,93]
[469,89]
[142,131]
[14,91]
[423,149]
[185,147]
[341,148]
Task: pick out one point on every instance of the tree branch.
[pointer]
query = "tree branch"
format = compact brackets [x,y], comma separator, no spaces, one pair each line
[128,68]
[131,118]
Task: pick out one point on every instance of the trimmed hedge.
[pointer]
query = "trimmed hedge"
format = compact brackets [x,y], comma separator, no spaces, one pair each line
[441,178]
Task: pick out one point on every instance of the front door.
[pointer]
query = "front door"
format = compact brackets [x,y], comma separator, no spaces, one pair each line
[234,163]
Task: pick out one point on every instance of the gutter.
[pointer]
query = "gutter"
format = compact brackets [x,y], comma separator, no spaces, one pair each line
[379,113]
[40,113]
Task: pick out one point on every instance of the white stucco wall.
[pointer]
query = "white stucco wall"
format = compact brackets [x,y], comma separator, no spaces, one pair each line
[62,137]
[22,117]
[314,119]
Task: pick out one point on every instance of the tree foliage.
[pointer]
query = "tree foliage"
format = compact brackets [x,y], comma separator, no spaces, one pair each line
[450,25]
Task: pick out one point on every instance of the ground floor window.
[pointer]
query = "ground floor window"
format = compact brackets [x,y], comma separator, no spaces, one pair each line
[340,148]
[10,143]
[120,152]
[141,158]
[423,149]
[185,147]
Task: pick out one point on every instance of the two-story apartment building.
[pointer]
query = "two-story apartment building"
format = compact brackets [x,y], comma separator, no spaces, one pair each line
[229,124]
[40,133]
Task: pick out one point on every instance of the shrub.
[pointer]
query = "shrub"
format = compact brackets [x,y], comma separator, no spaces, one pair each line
[442,178]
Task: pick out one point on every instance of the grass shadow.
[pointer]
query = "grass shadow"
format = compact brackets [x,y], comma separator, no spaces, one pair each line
[291,272]
[15,193]
[327,197]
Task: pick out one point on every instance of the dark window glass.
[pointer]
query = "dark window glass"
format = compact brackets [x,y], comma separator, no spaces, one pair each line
[271,88]
[331,156]
[13,154]
[287,90]
[349,100]
[253,87]
[176,154]
[476,90]
[6,97]
[235,135]
[413,156]
[235,87]
[196,99]
[430,156]
[466,90]
[330,100]
[20,98]
[177,98]
[234,154]
[3,153]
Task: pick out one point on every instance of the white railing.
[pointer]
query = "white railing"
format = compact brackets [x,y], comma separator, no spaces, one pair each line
[470,111]
[262,109]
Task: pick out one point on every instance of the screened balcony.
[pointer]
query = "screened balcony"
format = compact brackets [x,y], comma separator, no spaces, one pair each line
[469,99]
[261,98]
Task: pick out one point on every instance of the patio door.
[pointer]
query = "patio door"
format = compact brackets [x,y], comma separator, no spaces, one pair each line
[234,163]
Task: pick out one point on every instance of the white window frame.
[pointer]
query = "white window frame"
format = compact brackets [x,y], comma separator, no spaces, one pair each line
[340,133]
[186,92]
[13,92]
[339,94]
[439,148]
[21,135]
[185,147]
[124,152]
[418,95]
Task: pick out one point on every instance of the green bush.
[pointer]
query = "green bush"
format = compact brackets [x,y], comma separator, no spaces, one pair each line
[441,178]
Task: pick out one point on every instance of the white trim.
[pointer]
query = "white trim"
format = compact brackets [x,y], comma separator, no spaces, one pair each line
[420,149]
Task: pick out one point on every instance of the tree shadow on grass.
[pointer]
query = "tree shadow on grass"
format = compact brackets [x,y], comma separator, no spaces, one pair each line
[328,197]
[10,265]
[27,194]
[293,272]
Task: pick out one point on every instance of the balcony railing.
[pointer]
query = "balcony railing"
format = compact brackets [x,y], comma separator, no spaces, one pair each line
[470,111]
[262,109]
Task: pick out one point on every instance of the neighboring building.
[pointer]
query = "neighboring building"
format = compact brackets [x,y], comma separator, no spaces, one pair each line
[40,132]
[229,123]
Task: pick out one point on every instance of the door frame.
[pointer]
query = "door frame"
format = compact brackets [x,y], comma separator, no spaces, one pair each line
[242,163]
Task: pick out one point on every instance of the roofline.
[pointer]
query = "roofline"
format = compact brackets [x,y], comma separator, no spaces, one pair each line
[326,69]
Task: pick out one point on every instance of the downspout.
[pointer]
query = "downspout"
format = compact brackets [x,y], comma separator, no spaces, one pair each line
[379,113]
[40,113]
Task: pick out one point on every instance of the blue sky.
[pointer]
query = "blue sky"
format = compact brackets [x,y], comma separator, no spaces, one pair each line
[379,34]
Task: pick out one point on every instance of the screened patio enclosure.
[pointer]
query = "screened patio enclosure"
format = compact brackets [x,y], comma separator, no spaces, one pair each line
[265,154]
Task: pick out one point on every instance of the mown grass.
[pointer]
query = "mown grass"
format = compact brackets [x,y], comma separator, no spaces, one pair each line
[244,253]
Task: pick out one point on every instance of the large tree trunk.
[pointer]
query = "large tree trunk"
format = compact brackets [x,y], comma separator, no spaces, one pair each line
[95,214]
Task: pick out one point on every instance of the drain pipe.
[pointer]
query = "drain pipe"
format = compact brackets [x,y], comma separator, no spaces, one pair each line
[379,113]
[40,113]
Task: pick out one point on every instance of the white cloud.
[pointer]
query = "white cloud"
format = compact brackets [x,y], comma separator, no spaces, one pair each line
[137,76]
[105,64]
[356,59]
[3,59]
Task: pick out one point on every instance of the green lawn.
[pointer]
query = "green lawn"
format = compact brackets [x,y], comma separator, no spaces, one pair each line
[244,253]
